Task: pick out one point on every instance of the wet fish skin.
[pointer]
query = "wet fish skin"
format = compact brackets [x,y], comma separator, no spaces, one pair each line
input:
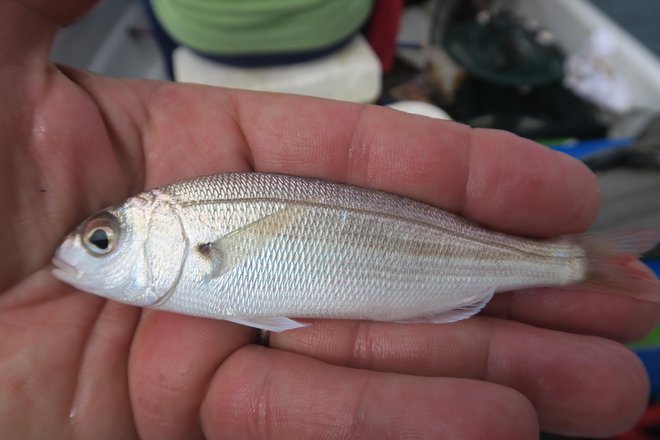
[259,248]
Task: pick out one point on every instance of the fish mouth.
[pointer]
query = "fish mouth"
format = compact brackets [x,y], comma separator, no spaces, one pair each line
[64,271]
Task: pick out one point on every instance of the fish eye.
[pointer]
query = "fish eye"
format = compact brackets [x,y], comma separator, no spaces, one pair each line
[100,234]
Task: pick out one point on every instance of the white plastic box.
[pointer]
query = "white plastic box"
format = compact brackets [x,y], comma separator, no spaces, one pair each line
[352,73]
[573,21]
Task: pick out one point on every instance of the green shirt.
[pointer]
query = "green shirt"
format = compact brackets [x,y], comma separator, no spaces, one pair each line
[260,26]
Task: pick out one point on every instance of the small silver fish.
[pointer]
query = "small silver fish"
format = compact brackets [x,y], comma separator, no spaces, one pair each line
[257,249]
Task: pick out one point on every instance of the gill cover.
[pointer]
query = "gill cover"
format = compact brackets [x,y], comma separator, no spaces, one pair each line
[165,252]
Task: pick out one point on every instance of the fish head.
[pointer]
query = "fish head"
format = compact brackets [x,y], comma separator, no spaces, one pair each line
[120,253]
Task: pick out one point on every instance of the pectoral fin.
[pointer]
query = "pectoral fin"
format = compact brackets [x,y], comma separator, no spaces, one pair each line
[461,312]
[273,324]
[234,248]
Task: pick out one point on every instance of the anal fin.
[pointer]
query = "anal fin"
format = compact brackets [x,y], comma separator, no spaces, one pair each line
[459,313]
[274,324]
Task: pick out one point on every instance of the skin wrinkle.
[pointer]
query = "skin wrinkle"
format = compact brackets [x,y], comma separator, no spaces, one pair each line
[10,198]
[95,333]
[359,415]
[39,135]
[81,356]
[358,153]
[23,199]
[143,412]
[163,99]
[587,211]
[42,139]
[199,425]
[289,145]
[478,179]
[91,322]
[509,304]
[192,142]
[204,421]
[132,158]
[202,385]
[249,141]
[133,424]
[149,122]
[363,352]
[263,410]
[201,154]
[206,146]
[132,164]
[463,198]
[62,365]
[235,113]
[591,211]
[133,396]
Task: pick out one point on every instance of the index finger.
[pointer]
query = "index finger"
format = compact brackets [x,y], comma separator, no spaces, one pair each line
[496,178]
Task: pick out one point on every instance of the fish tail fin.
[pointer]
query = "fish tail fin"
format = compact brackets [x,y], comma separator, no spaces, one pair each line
[613,264]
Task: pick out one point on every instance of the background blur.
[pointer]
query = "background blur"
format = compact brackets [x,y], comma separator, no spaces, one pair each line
[579,76]
[105,41]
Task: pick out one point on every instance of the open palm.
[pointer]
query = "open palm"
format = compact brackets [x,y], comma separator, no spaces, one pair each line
[74,365]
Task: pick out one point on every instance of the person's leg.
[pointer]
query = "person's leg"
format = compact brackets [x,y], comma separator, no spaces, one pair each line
[276,59]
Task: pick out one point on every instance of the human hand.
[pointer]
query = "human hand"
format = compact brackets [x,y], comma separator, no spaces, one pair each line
[75,365]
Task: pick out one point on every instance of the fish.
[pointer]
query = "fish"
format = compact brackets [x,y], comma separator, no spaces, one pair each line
[265,250]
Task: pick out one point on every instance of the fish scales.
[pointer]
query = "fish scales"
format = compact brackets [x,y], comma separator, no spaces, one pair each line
[349,252]
[258,249]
